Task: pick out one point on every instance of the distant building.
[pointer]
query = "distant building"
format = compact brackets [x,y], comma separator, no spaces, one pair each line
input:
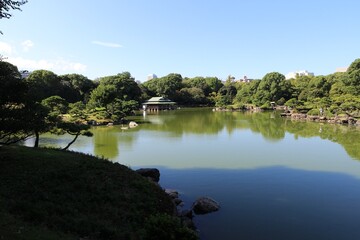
[24,73]
[341,69]
[245,80]
[298,74]
[151,76]
[158,103]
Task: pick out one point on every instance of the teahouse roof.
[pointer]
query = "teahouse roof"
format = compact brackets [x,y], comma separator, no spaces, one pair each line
[158,100]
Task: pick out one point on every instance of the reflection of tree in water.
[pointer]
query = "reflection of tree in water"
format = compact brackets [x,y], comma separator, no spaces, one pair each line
[106,140]
[347,136]
[190,121]
[269,124]
[272,127]
[200,121]
[266,123]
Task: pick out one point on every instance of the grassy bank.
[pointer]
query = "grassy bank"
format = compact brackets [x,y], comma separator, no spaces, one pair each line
[51,194]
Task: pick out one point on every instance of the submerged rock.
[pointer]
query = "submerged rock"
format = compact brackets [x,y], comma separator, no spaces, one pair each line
[205,205]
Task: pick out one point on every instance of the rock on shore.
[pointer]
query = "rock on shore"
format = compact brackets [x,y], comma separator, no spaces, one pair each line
[151,173]
[316,118]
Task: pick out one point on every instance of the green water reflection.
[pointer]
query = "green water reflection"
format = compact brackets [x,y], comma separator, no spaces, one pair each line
[205,122]
[201,138]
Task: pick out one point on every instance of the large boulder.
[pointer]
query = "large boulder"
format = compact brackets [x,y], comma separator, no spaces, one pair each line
[172,193]
[151,173]
[132,124]
[205,205]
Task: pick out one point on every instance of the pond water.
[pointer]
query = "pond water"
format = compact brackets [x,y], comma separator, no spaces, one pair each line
[274,178]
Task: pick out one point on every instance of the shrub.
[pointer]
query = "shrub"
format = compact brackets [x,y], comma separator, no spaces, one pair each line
[240,106]
[281,101]
[165,227]
[314,112]
[266,106]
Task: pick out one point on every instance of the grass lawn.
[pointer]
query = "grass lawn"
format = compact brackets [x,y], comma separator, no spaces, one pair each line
[53,194]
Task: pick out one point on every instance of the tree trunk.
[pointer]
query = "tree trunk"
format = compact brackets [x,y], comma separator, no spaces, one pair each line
[37,137]
[76,136]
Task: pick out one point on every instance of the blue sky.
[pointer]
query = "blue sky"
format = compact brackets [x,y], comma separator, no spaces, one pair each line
[193,38]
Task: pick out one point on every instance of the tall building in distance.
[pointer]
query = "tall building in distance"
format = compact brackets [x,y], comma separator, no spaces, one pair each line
[298,74]
[151,76]
[24,73]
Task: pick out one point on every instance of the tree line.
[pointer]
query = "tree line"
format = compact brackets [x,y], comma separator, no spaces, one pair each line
[46,102]
[337,93]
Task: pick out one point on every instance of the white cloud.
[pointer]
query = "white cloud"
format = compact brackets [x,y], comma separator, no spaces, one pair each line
[5,48]
[27,44]
[57,65]
[52,65]
[107,44]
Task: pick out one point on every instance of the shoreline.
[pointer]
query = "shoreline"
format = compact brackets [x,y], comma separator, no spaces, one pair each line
[344,120]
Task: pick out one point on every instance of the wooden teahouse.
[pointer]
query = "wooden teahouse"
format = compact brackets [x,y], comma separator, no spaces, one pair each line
[158,103]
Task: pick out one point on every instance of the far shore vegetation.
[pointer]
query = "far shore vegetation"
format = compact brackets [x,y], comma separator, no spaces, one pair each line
[45,102]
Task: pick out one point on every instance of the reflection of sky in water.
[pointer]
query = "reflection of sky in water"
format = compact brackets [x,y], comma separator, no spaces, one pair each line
[272,203]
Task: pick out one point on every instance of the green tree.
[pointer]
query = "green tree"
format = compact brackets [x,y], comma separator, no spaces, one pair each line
[39,121]
[43,84]
[56,104]
[272,88]
[56,124]
[353,82]
[165,86]
[226,95]
[78,111]
[76,87]
[118,95]
[22,115]
[293,102]
[12,88]
[336,89]
[299,86]
[336,77]
[246,92]
[47,115]
[125,86]
[13,110]
[192,95]
[355,65]
[346,103]
[214,84]
[198,82]
[318,87]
